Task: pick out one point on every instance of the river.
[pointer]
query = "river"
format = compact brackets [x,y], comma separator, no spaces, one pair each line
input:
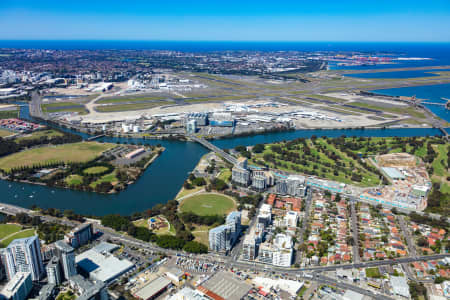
[162,179]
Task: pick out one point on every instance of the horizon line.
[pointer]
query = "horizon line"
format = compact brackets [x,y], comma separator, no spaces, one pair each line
[217,41]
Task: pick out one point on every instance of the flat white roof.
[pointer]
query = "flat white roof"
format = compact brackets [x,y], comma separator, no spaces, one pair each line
[400,286]
[152,288]
[104,267]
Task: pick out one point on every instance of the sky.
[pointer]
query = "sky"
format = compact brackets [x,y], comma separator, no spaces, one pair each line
[226,20]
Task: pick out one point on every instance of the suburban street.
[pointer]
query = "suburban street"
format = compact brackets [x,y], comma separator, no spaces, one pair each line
[305,219]
[355,232]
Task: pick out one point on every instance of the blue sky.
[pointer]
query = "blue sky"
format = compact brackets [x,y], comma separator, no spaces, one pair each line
[381,20]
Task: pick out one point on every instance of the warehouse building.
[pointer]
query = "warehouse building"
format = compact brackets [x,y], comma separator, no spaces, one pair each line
[102,266]
[153,289]
[224,285]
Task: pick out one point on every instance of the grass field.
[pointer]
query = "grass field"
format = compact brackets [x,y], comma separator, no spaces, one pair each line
[111,177]
[4,133]
[38,134]
[8,114]
[18,235]
[58,105]
[208,204]
[74,180]
[76,152]
[127,99]
[373,273]
[132,106]
[225,175]
[313,157]
[396,110]
[326,98]
[185,192]
[441,170]
[7,229]
[64,107]
[141,223]
[201,234]
[440,162]
[95,170]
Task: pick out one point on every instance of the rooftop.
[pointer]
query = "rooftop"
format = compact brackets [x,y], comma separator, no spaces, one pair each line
[225,285]
[393,173]
[11,287]
[102,266]
[152,288]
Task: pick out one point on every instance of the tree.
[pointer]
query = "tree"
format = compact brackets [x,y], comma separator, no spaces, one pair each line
[199,181]
[195,247]
[422,242]
[258,148]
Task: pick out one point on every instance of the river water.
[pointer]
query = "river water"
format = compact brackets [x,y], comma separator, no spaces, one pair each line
[162,179]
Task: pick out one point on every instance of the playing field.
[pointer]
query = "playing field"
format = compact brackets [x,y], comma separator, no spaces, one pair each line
[111,177]
[38,134]
[7,229]
[18,235]
[95,170]
[74,179]
[208,204]
[76,152]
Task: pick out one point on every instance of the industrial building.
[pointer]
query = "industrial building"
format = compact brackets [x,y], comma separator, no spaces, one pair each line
[393,173]
[224,285]
[400,286]
[102,265]
[153,289]
[222,119]
[201,119]
[187,293]
[134,153]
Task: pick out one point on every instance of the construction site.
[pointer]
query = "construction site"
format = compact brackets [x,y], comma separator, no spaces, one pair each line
[410,182]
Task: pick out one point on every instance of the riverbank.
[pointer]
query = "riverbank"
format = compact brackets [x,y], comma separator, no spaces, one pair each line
[162,180]
[111,171]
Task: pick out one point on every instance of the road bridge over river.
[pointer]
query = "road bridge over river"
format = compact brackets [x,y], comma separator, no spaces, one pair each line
[231,159]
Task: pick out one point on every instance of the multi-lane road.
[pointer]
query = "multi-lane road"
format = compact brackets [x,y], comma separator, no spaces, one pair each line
[307,273]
